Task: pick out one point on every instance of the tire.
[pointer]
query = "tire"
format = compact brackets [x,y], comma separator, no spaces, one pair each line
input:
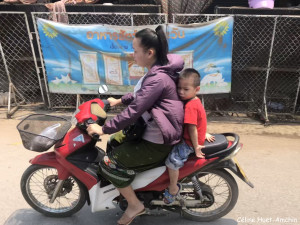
[37,185]
[216,184]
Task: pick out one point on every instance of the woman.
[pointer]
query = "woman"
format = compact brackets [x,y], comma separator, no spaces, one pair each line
[156,100]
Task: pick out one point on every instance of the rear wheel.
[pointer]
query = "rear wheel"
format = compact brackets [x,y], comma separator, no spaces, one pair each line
[38,184]
[220,191]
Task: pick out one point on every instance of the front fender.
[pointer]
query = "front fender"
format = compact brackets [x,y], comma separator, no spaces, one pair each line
[49,159]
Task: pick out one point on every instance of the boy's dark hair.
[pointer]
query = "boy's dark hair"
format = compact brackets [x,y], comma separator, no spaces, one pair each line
[190,72]
[157,40]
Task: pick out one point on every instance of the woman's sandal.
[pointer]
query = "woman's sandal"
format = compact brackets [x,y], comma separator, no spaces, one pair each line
[126,220]
[169,198]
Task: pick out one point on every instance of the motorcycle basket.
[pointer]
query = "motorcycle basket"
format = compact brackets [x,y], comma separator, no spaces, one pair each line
[40,132]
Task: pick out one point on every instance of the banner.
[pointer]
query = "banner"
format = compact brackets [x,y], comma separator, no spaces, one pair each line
[78,58]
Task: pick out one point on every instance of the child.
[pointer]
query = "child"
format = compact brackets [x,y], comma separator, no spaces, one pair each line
[194,130]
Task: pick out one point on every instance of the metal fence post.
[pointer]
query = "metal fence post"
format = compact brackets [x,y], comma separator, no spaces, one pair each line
[42,61]
[11,89]
[268,70]
[34,57]
[297,94]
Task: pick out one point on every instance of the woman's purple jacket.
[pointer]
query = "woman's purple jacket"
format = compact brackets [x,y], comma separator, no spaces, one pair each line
[158,95]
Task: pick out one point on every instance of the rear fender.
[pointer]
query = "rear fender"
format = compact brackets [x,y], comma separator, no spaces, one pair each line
[234,167]
[49,159]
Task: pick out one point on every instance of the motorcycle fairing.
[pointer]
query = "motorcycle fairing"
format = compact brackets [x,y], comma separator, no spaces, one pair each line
[102,198]
[73,141]
[191,165]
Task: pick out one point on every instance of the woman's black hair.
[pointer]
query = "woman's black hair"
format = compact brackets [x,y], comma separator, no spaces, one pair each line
[157,40]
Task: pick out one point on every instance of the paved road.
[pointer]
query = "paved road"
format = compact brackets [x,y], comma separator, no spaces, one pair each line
[270,158]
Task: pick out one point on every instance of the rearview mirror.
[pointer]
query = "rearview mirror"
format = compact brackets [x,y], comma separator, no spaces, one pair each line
[102,89]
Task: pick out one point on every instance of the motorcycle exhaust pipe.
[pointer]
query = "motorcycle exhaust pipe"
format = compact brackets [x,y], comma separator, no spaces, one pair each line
[186,203]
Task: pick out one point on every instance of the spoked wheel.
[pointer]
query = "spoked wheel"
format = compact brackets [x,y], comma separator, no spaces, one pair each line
[38,184]
[220,193]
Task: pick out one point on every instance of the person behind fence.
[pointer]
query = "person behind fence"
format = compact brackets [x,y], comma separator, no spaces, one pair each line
[155,99]
[194,130]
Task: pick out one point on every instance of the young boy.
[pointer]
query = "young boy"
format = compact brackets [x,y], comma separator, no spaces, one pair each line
[194,130]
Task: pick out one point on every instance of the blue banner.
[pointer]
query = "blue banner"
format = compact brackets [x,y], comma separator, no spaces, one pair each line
[78,58]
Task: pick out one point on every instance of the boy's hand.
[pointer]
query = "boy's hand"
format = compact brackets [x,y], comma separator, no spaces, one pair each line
[209,137]
[199,152]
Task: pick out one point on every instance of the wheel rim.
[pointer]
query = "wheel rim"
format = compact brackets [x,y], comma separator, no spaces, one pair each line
[40,185]
[221,191]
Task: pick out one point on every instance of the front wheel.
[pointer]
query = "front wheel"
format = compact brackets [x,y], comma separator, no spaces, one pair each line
[220,191]
[38,184]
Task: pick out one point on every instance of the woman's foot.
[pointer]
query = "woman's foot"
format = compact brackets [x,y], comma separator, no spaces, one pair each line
[131,213]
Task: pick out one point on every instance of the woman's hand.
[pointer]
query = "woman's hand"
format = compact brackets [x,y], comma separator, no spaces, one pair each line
[209,137]
[94,129]
[113,102]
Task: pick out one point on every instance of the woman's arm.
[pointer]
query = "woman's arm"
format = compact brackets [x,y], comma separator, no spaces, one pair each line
[127,99]
[145,98]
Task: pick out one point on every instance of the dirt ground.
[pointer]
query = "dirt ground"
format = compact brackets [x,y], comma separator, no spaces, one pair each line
[270,158]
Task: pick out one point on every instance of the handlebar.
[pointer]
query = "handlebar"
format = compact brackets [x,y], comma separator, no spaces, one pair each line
[92,112]
[106,107]
[94,136]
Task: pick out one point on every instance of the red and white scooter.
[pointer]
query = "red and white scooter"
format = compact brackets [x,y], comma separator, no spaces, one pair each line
[60,182]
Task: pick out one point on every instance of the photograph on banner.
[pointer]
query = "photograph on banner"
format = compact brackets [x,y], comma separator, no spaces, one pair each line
[78,58]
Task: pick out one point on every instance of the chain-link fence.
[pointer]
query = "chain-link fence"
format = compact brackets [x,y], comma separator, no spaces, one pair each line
[18,57]
[172,7]
[265,63]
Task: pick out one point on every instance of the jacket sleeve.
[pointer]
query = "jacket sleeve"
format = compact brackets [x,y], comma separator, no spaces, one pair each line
[150,92]
[127,99]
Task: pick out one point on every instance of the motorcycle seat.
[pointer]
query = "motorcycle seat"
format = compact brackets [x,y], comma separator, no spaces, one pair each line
[219,144]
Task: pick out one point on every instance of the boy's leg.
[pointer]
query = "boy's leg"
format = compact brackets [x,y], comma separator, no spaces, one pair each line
[174,162]
[173,188]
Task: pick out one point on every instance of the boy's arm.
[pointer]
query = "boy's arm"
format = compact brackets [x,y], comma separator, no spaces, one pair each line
[192,129]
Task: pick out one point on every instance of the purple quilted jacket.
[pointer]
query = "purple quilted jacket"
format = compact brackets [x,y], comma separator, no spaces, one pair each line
[159,96]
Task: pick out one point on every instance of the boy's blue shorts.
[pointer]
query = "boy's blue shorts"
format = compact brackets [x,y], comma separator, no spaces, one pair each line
[179,155]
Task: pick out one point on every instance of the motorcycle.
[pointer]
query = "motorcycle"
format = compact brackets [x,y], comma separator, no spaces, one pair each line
[60,182]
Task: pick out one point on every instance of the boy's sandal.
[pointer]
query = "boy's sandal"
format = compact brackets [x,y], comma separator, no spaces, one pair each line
[169,198]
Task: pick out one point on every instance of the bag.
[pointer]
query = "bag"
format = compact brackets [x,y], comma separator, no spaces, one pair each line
[135,131]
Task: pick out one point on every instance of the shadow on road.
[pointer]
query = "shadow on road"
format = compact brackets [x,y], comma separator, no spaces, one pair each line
[85,216]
